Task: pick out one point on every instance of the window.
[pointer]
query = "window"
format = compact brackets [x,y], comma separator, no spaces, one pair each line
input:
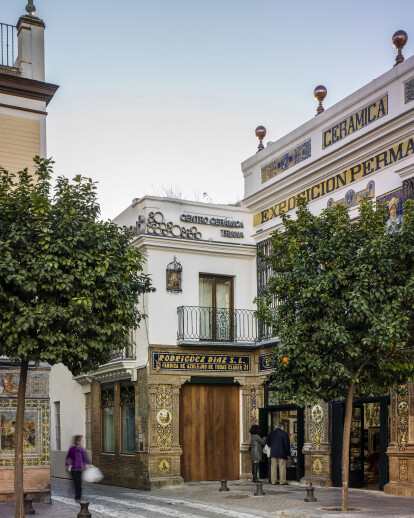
[127,397]
[108,412]
[216,307]
[57,425]
[88,442]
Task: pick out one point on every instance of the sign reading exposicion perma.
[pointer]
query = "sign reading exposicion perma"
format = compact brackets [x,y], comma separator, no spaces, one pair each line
[354,173]
[200,362]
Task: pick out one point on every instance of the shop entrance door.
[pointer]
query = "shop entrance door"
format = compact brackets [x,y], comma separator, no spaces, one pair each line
[210,432]
[293,419]
[368,462]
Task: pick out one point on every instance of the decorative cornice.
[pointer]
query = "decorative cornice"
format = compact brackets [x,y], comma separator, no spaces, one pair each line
[405,172]
[146,241]
[28,88]
[12,107]
[30,20]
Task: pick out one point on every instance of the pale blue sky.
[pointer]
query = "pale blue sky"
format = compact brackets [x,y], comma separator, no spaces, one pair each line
[169,92]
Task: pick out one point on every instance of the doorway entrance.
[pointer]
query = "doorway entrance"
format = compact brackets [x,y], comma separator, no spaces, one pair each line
[293,419]
[210,432]
[370,429]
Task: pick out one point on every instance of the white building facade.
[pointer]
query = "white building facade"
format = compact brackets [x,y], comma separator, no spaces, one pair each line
[178,405]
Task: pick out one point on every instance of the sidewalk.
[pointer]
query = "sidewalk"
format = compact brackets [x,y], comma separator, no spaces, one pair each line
[288,501]
[204,498]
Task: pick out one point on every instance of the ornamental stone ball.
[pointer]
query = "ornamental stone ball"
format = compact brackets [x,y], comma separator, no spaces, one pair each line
[260,134]
[30,8]
[320,93]
[399,39]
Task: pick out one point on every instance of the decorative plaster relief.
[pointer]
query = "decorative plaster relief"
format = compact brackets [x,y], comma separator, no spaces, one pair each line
[409,90]
[36,430]
[37,383]
[164,407]
[403,469]
[289,159]
[254,412]
[164,467]
[352,198]
[402,418]
[317,465]
[316,426]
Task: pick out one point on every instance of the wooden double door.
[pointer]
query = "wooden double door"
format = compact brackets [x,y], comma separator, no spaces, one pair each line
[210,432]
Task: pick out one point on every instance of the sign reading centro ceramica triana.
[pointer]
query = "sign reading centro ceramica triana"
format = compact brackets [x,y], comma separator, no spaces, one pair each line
[365,168]
[218,222]
[355,122]
[200,362]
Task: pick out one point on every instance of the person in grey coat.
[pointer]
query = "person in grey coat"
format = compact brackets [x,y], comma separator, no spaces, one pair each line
[256,449]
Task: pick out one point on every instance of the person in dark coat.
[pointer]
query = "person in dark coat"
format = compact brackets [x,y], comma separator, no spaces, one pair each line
[76,461]
[256,449]
[278,441]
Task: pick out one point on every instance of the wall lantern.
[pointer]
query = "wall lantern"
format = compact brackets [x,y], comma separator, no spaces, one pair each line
[173,271]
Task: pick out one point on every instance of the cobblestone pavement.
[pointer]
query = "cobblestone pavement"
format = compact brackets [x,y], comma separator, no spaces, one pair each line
[203,500]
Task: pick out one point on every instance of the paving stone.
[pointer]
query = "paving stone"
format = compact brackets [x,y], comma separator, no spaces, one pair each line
[203,500]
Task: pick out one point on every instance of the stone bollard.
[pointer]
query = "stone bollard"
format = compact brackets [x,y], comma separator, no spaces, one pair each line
[310,497]
[259,489]
[28,509]
[84,512]
[224,486]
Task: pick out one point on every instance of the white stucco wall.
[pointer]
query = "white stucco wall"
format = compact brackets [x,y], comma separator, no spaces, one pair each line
[71,396]
[212,253]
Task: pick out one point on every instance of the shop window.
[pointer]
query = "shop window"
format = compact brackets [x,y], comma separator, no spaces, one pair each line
[57,426]
[108,412]
[88,419]
[127,396]
[216,307]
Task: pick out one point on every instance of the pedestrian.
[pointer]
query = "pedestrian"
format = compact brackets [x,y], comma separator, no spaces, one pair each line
[278,441]
[256,449]
[76,461]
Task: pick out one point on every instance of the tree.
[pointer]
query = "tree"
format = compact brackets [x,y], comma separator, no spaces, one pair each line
[69,283]
[340,299]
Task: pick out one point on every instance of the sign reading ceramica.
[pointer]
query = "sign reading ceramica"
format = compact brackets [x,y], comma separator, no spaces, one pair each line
[355,122]
[365,168]
[200,362]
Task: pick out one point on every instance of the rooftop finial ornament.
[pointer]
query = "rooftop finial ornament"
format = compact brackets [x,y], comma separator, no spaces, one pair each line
[260,134]
[399,39]
[320,93]
[30,8]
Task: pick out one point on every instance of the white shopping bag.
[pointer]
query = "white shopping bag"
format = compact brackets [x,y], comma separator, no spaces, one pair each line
[92,474]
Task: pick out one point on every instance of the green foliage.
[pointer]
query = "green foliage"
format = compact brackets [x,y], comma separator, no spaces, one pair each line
[69,283]
[345,296]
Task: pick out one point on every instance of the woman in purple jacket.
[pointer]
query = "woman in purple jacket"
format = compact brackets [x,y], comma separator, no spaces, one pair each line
[76,461]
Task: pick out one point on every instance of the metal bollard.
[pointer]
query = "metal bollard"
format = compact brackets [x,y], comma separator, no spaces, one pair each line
[224,486]
[28,509]
[84,512]
[259,489]
[310,497]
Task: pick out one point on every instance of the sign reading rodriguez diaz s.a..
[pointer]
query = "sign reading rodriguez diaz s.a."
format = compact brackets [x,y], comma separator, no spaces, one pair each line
[200,362]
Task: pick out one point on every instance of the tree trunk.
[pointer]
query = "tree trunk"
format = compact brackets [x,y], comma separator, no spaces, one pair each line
[18,443]
[345,445]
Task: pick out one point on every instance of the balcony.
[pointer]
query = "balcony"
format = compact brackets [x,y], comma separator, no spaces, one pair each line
[221,326]
[128,353]
[8,45]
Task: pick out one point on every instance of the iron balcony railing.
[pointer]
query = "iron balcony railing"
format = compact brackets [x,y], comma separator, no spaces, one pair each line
[129,353]
[199,323]
[8,44]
